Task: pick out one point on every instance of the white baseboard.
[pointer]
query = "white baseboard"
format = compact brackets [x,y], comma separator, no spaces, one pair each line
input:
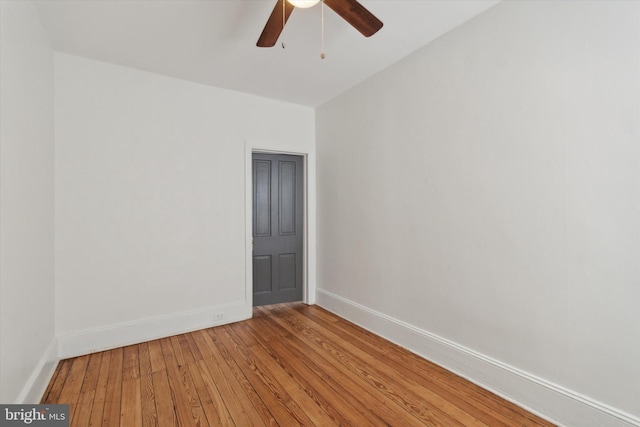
[122,334]
[544,398]
[37,383]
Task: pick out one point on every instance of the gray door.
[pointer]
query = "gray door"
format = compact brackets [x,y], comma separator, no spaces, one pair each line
[277,228]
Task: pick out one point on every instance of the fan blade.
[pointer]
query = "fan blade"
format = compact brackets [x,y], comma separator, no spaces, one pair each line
[274,25]
[356,15]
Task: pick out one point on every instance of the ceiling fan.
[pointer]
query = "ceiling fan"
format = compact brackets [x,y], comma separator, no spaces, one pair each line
[350,10]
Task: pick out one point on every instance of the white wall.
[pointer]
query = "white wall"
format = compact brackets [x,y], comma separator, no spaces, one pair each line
[26,204]
[150,200]
[484,195]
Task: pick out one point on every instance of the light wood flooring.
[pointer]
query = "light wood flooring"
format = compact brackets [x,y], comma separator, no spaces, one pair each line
[292,364]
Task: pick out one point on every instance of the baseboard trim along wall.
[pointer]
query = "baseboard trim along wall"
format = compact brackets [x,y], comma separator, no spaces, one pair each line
[127,333]
[41,375]
[547,400]
[93,340]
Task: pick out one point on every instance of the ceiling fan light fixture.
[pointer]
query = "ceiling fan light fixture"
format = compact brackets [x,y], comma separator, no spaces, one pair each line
[303,3]
[350,10]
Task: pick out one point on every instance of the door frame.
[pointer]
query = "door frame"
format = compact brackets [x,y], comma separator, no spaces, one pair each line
[309,221]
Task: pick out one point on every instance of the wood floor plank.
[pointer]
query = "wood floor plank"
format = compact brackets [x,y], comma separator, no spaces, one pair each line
[168,355]
[492,409]
[280,404]
[187,403]
[371,398]
[71,391]
[211,411]
[131,407]
[240,378]
[97,409]
[291,364]
[182,357]
[193,347]
[57,383]
[186,349]
[460,393]
[82,415]
[51,384]
[165,407]
[451,395]
[241,409]
[417,389]
[369,373]
[315,387]
[421,401]
[147,392]
[113,394]
[92,373]
[328,388]
[130,363]
[156,356]
[265,362]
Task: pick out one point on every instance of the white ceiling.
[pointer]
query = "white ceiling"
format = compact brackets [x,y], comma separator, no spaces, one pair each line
[214,41]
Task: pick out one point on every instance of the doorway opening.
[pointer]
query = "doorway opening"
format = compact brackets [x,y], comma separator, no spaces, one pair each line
[277,228]
[309,220]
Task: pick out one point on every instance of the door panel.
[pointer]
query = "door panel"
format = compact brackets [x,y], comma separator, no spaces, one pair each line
[287,199]
[262,274]
[288,271]
[262,198]
[277,228]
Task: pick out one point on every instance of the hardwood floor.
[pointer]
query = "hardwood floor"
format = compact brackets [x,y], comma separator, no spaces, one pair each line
[291,364]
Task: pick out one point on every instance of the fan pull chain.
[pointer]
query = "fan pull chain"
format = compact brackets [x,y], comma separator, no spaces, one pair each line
[322,55]
[284,44]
